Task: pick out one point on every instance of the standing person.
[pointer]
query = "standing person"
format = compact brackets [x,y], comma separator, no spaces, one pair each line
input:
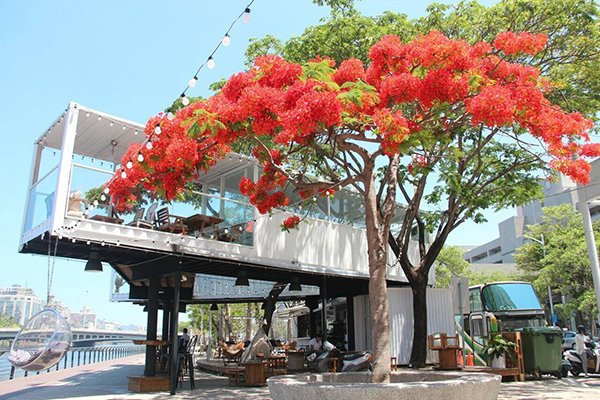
[316,343]
[580,340]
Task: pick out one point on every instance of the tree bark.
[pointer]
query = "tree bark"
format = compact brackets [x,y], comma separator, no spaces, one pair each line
[228,322]
[270,303]
[380,320]
[418,356]
[248,322]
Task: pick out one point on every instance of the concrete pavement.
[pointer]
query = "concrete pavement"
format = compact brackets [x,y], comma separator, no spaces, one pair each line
[108,381]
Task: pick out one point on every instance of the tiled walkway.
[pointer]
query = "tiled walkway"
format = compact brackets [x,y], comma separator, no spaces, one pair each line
[108,380]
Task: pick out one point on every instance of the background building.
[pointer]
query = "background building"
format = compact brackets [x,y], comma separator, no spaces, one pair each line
[84,319]
[19,303]
[511,232]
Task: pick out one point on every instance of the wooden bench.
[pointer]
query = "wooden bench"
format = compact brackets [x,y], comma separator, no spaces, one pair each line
[235,374]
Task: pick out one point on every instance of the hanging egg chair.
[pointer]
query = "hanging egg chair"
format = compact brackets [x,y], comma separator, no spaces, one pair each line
[41,342]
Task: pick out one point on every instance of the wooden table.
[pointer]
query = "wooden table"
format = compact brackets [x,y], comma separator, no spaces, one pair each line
[255,373]
[110,220]
[198,222]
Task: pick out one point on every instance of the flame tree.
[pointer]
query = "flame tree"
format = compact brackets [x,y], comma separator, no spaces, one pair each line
[434,120]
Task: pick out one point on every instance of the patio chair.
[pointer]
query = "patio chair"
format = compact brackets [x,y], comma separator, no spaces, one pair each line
[185,362]
[232,353]
[148,222]
[169,222]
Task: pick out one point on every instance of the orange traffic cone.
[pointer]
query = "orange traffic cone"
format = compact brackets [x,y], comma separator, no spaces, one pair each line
[460,359]
[470,360]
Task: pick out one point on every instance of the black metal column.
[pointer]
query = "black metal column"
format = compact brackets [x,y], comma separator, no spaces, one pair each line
[150,366]
[312,304]
[174,329]
[324,309]
[350,323]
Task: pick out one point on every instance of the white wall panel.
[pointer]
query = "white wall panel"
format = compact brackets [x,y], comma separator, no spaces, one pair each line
[440,318]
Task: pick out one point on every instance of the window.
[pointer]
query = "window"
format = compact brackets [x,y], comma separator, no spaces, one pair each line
[475,300]
[510,296]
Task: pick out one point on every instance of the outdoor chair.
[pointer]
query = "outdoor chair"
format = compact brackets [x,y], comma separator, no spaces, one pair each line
[169,222]
[140,222]
[232,353]
[185,362]
[139,216]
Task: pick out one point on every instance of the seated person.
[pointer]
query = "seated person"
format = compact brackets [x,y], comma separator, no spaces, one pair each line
[316,343]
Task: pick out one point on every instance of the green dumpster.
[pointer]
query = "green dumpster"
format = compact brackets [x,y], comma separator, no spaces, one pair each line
[542,352]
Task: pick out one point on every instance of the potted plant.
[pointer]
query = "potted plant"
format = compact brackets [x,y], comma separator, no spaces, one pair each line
[497,347]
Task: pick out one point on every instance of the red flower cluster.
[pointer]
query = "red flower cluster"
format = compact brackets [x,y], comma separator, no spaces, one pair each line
[290,223]
[410,95]
[524,42]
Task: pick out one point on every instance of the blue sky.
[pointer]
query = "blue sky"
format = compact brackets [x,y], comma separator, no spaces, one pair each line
[130,59]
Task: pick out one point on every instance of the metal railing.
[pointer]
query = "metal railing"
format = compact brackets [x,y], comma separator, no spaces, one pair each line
[84,355]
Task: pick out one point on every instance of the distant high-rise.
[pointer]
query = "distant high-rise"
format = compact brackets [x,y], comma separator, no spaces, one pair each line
[19,303]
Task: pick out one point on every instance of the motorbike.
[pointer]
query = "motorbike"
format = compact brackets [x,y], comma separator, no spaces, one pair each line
[353,362]
[593,356]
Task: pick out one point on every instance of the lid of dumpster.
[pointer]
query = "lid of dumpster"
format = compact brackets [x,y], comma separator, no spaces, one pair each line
[545,330]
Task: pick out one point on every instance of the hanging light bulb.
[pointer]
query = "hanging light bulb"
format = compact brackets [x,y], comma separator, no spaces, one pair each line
[129,164]
[87,114]
[140,157]
[210,63]
[124,127]
[226,40]
[170,116]
[103,197]
[149,145]
[111,124]
[247,15]
[106,190]
[95,203]
[157,130]
[99,118]
[123,174]
[136,132]
[184,100]
[193,81]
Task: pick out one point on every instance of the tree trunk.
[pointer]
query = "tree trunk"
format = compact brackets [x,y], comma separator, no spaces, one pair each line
[228,322]
[269,305]
[248,322]
[380,319]
[418,356]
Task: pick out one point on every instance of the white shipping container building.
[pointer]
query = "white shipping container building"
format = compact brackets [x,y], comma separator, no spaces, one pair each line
[440,318]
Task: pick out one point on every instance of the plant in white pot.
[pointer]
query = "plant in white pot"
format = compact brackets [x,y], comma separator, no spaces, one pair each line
[497,347]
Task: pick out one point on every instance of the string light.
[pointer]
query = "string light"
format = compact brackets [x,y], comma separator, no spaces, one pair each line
[226,40]
[129,164]
[210,63]
[111,124]
[123,174]
[106,190]
[103,197]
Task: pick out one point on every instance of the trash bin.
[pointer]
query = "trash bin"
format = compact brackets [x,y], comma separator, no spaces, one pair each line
[542,353]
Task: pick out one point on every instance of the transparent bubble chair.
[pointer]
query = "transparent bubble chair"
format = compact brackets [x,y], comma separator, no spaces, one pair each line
[41,342]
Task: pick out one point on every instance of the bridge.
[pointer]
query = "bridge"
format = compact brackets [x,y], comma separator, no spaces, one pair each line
[82,337]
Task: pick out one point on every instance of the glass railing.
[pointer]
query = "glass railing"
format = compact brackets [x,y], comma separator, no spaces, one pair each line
[202,215]
[41,199]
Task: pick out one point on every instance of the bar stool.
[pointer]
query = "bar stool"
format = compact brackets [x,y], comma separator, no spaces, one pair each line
[185,362]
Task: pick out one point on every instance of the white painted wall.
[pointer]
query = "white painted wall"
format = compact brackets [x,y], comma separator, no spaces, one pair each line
[440,318]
